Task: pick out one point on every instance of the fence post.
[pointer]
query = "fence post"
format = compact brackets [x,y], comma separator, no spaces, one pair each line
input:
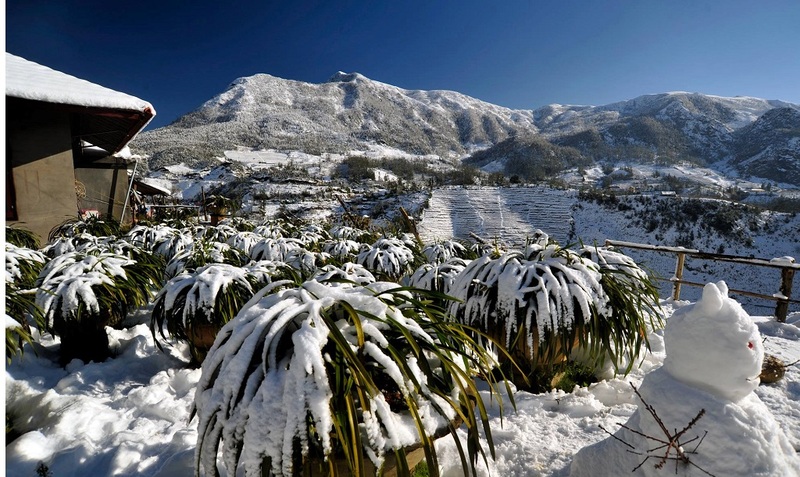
[782,309]
[676,284]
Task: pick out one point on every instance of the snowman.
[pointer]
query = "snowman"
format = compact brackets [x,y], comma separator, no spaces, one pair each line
[698,414]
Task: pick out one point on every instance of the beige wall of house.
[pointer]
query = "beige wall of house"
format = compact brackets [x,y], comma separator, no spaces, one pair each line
[39,150]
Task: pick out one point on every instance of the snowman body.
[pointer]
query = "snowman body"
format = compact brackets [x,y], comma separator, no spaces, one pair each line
[714,357]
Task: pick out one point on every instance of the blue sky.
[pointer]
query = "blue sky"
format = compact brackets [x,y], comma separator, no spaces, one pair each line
[518,54]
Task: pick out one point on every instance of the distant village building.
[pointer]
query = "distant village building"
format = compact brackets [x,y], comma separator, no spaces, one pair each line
[63,139]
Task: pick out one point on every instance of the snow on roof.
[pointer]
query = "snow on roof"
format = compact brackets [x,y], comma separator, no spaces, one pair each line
[28,80]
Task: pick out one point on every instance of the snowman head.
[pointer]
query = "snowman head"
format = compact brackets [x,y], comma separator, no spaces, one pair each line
[714,345]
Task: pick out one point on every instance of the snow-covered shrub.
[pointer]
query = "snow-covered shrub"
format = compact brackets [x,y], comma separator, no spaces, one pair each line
[92,225]
[204,252]
[311,236]
[273,248]
[274,229]
[351,233]
[346,273]
[22,237]
[350,374]
[149,237]
[341,249]
[172,241]
[546,301]
[16,337]
[73,243]
[443,251]
[23,266]
[244,241]
[193,306]
[438,277]
[80,294]
[387,258]
[216,233]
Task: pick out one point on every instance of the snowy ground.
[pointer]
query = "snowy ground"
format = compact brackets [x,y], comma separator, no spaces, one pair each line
[129,416]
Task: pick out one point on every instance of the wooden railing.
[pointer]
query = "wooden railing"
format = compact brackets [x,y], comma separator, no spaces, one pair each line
[787,266]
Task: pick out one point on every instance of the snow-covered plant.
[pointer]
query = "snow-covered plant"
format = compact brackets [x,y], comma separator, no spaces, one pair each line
[22,237]
[311,236]
[347,273]
[337,379]
[23,266]
[274,229]
[81,293]
[148,237]
[244,241]
[341,249]
[16,337]
[215,233]
[241,224]
[438,277]
[545,301]
[92,225]
[387,258]
[443,251]
[303,261]
[72,243]
[173,241]
[351,233]
[193,306]
[204,252]
[274,248]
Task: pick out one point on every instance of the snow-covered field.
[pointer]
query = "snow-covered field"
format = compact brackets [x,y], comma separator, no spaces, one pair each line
[129,416]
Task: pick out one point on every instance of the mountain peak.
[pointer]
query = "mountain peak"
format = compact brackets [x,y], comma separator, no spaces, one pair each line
[342,77]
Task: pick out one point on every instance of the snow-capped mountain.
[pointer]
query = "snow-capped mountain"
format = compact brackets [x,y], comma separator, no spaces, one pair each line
[350,111]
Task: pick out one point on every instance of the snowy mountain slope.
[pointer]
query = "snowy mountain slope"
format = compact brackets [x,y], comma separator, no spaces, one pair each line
[351,111]
[346,112]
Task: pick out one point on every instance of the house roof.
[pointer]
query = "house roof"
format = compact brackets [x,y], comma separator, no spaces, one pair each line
[102,116]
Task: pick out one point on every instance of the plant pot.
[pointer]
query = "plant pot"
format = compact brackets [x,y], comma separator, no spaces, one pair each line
[218,214]
[201,337]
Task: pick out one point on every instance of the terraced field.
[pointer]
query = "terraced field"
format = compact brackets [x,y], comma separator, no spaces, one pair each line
[508,214]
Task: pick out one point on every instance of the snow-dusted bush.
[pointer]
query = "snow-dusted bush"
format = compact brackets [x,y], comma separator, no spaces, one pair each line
[74,243]
[341,249]
[204,252]
[347,272]
[438,277]
[544,302]
[92,225]
[215,233]
[172,241]
[16,337]
[81,293]
[347,373]
[388,258]
[244,241]
[23,266]
[193,306]
[22,237]
[443,251]
[274,248]
[311,236]
[350,233]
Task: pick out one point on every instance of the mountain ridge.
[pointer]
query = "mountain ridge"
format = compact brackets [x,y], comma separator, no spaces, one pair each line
[350,111]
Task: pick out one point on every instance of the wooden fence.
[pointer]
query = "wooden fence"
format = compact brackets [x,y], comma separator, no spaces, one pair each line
[787,266]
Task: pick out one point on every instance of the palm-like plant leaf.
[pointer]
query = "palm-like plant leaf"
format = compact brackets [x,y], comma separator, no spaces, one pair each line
[79,294]
[388,258]
[544,301]
[328,370]
[194,306]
